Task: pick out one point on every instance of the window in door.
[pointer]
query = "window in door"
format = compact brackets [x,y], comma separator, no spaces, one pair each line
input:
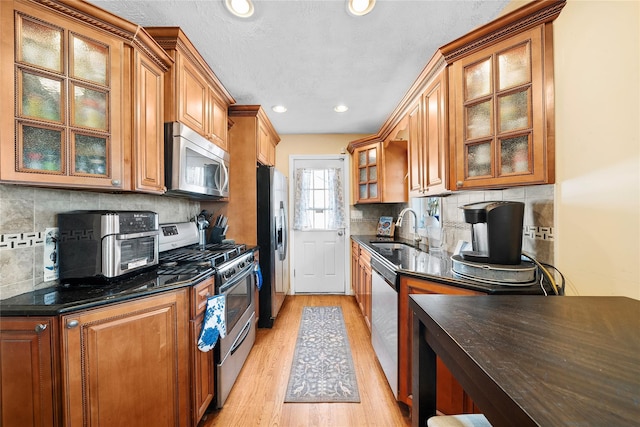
[319,200]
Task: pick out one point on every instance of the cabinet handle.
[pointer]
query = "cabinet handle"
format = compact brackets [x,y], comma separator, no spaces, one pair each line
[459,184]
[41,327]
[72,324]
[115,182]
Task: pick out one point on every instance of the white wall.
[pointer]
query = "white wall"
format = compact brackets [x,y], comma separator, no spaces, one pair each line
[597,74]
[311,144]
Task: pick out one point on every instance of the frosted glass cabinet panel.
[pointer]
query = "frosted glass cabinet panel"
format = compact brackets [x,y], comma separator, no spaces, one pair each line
[514,111]
[90,60]
[42,149]
[514,67]
[90,154]
[478,80]
[41,45]
[514,154]
[41,96]
[89,108]
[479,159]
[480,120]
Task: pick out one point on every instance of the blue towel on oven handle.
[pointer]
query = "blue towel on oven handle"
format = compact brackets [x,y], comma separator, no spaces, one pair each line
[258,273]
[214,324]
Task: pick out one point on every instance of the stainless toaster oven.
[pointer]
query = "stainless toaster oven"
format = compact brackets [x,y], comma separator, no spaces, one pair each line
[106,244]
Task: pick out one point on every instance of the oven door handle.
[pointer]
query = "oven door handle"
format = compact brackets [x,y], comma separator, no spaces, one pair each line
[237,279]
[243,335]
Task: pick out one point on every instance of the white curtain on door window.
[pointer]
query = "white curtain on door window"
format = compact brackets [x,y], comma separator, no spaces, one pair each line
[318,199]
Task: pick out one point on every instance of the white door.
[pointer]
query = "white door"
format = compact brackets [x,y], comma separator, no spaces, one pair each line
[320,242]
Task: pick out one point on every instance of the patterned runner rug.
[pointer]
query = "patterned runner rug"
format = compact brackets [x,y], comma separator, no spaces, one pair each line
[322,369]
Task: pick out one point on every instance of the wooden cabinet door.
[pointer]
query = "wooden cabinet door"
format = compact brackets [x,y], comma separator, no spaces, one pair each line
[434,155]
[365,285]
[266,147]
[148,141]
[355,254]
[193,97]
[367,173]
[202,373]
[427,140]
[217,129]
[128,364]
[63,124]
[202,363]
[499,112]
[28,386]
[451,398]
[415,150]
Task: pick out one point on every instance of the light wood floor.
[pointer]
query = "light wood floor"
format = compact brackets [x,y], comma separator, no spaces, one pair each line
[257,398]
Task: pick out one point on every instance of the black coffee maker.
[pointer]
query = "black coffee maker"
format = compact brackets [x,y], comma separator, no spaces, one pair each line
[496,232]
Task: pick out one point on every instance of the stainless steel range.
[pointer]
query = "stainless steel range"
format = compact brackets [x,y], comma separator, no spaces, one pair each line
[233,267]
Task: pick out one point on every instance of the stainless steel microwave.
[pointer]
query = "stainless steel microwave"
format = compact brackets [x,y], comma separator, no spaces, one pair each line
[194,166]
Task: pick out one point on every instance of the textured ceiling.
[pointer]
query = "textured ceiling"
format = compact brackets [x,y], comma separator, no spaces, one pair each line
[313,55]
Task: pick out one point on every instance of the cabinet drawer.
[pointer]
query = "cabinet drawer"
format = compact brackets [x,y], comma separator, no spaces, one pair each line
[199,295]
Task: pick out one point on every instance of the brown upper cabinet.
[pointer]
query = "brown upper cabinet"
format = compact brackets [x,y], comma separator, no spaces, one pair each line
[480,114]
[251,130]
[71,124]
[501,125]
[379,169]
[193,94]
[427,123]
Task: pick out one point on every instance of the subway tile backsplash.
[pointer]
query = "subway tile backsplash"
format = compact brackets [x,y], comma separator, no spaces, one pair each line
[538,224]
[26,212]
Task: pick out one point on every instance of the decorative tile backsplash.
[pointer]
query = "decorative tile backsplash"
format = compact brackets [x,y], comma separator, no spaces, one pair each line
[26,212]
[538,221]
[21,240]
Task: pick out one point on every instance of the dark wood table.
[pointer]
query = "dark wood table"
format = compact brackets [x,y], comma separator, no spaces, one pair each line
[531,360]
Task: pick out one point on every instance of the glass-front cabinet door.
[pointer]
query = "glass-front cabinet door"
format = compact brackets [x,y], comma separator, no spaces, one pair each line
[500,115]
[65,90]
[367,174]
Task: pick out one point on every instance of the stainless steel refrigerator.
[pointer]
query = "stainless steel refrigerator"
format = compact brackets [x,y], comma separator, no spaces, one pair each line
[273,241]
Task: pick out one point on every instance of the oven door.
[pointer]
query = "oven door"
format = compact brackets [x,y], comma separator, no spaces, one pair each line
[234,349]
[238,303]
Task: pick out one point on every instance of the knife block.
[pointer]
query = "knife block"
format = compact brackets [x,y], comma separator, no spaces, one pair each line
[216,235]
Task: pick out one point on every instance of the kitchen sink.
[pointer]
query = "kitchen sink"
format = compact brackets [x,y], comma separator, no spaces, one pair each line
[390,245]
[400,255]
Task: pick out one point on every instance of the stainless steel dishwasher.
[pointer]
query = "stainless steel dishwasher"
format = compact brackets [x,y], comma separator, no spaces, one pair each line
[384,320]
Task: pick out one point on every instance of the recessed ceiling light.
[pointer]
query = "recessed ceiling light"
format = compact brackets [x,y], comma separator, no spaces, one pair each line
[241,8]
[360,7]
[279,108]
[340,108]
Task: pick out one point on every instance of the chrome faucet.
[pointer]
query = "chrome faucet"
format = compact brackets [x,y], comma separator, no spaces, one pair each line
[416,237]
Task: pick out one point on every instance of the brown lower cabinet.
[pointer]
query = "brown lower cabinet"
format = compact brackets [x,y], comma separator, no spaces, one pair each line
[361,279]
[28,380]
[202,363]
[451,398]
[128,363]
[122,364]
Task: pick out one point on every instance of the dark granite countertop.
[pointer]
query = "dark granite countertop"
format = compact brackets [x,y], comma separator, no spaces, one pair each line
[435,267]
[68,298]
